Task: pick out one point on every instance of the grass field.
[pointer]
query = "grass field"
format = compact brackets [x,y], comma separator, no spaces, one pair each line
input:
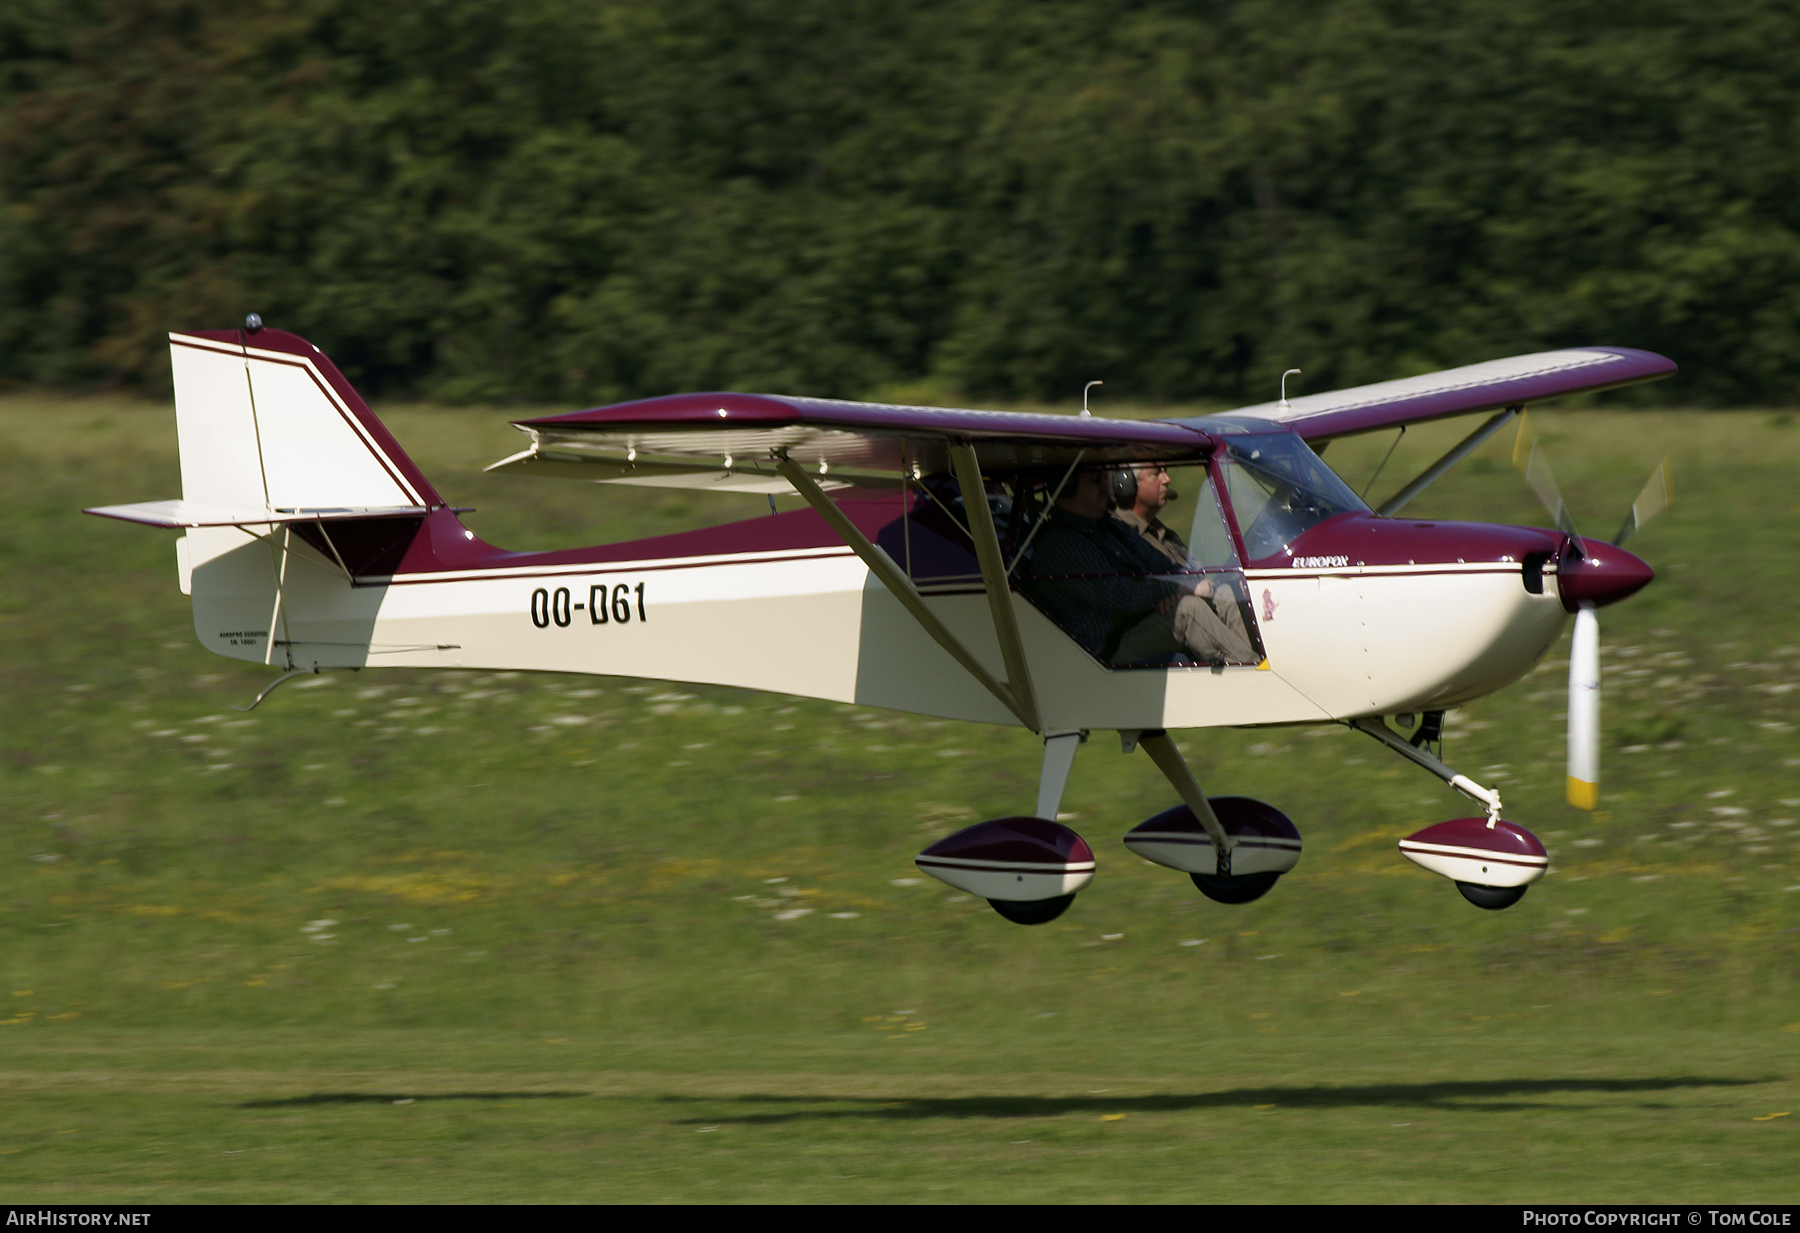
[488,936]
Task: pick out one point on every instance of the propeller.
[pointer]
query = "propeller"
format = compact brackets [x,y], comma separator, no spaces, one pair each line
[1584,646]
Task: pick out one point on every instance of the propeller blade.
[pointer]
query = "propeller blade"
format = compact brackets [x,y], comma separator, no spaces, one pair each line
[1584,710]
[1657,496]
[1531,462]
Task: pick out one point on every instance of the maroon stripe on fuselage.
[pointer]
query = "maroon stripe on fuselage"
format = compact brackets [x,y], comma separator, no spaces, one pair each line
[1369,541]
[609,568]
[1485,858]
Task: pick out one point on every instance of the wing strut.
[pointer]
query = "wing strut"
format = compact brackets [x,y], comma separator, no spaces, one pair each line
[1461,450]
[901,587]
[994,577]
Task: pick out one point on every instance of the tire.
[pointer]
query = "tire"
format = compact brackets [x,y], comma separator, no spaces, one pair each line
[1247,888]
[1037,912]
[1493,898]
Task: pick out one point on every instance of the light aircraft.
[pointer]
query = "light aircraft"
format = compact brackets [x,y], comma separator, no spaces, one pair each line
[311,542]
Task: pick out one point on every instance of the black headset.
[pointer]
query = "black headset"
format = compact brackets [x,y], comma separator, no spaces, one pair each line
[1123,484]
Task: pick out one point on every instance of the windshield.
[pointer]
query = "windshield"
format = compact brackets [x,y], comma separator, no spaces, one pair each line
[1279,489]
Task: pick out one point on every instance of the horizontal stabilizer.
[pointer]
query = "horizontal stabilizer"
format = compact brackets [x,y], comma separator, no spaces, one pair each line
[181,514]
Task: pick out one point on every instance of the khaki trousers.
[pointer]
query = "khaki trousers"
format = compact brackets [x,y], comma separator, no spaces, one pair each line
[1207,631]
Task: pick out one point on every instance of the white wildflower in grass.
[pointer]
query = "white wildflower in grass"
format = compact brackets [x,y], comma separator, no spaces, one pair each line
[314,926]
[399,928]
[782,800]
[844,915]
[793,914]
[906,881]
[1191,942]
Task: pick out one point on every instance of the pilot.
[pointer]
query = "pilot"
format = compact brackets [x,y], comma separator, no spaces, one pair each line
[1141,494]
[1097,582]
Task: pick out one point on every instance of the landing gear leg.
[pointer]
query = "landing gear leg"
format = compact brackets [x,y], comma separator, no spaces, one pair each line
[1492,865]
[1174,767]
[1059,756]
[1487,798]
[1220,885]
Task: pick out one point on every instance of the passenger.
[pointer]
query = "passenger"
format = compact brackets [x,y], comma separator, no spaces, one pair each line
[1147,500]
[1149,496]
[1095,578]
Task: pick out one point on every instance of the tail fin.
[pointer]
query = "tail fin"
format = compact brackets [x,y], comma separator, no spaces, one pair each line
[266,421]
[268,426]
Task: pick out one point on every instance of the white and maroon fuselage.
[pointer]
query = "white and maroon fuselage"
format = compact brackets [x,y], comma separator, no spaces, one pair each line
[1360,615]
[1365,616]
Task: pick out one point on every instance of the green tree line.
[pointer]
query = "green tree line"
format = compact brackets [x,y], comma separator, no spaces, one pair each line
[588,200]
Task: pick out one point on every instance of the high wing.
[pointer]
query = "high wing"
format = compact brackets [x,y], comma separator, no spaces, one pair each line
[1488,386]
[731,441]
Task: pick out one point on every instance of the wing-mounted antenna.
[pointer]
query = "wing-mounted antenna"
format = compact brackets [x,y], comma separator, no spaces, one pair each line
[1085,413]
[1292,372]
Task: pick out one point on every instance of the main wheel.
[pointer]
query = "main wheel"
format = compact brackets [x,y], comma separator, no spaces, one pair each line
[1493,898]
[1037,912]
[1244,888]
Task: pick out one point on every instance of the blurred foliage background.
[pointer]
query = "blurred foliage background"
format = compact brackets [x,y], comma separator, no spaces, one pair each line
[566,200]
